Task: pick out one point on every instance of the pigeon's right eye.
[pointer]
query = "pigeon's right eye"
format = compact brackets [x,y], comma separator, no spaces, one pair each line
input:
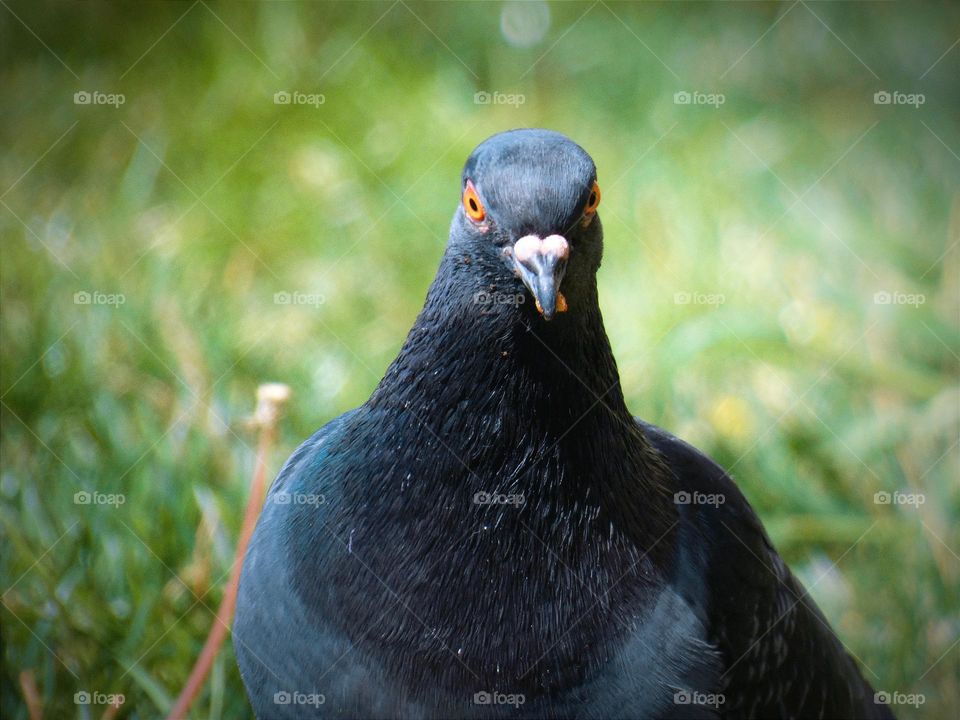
[593,201]
[472,204]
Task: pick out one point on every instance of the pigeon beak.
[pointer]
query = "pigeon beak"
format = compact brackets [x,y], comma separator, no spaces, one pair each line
[541,264]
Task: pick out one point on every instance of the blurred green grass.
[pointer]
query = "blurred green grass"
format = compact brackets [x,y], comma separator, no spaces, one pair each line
[199,199]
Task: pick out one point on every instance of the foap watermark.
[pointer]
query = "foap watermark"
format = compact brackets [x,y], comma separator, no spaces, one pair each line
[698,498]
[295,97]
[298,298]
[85,497]
[483,97]
[499,298]
[896,497]
[499,698]
[497,498]
[899,298]
[895,97]
[685,97]
[695,697]
[95,97]
[699,298]
[298,498]
[886,697]
[94,697]
[298,698]
[86,297]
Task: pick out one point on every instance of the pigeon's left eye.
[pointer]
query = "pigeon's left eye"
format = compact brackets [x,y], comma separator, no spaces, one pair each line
[472,204]
[593,201]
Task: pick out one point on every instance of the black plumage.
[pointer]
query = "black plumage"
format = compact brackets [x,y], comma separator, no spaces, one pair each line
[492,534]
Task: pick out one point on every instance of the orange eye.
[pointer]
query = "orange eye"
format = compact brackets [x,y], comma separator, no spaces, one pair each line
[593,201]
[472,204]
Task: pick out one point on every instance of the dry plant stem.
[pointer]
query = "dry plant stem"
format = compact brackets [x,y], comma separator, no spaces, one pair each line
[111,712]
[270,399]
[28,685]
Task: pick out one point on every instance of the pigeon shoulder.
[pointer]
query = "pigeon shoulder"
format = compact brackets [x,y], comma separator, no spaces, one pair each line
[280,643]
[779,655]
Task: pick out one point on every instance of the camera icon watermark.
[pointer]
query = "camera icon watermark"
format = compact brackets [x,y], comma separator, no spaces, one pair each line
[483,97]
[887,697]
[298,498]
[882,497]
[885,297]
[94,697]
[95,97]
[295,97]
[497,498]
[495,697]
[85,497]
[298,298]
[695,697]
[698,298]
[499,298]
[284,697]
[896,97]
[684,497]
[95,297]
[686,97]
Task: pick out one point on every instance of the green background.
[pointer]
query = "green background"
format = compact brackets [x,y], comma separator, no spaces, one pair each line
[746,245]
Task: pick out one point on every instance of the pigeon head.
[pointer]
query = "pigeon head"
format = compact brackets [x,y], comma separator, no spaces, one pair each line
[528,215]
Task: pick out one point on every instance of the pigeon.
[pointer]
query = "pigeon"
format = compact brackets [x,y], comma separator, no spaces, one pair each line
[492,534]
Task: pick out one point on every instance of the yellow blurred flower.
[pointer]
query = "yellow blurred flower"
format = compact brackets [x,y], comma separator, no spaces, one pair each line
[731,417]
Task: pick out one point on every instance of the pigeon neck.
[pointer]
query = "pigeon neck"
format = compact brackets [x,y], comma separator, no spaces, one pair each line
[497,388]
[495,400]
[477,347]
